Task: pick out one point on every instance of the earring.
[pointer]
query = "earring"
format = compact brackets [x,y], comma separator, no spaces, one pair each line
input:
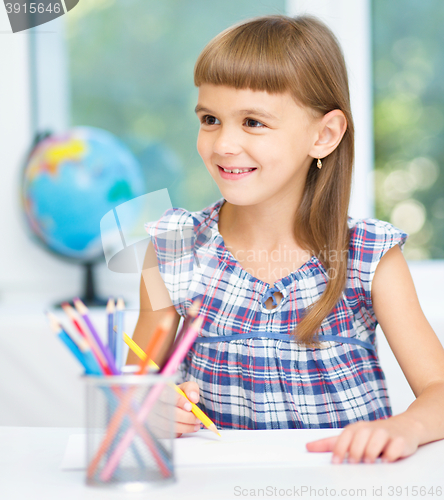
[319,164]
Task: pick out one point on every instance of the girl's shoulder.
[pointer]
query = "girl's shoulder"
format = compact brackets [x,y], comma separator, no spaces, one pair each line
[370,239]
[179,232]
[374,234]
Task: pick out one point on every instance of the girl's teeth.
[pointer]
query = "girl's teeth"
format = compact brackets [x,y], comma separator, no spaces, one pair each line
[237,171]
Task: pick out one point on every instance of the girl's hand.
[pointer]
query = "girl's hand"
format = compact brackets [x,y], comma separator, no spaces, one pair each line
[186,421]
[391,439]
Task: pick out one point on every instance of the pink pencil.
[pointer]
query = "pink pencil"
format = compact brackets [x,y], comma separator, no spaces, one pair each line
[170,368]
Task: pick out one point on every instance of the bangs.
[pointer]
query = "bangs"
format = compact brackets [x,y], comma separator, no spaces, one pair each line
[278,54]
[256,58]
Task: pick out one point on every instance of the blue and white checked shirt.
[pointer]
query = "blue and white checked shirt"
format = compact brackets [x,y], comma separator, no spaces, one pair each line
[251,373]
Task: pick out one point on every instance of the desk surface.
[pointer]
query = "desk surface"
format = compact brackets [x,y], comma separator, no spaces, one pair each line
[30,460]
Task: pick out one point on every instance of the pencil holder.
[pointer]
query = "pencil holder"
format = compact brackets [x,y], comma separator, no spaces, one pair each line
[130,421]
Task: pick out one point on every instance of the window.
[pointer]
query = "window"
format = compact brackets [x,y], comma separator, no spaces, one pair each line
[409,121]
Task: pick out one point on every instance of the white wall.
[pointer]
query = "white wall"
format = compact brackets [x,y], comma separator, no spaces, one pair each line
[24,265]
[15,136]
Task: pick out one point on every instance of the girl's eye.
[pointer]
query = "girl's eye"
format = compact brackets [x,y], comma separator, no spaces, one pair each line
[209,120]
[249,122]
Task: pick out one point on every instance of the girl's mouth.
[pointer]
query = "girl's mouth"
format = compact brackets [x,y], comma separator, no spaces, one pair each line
[235,173]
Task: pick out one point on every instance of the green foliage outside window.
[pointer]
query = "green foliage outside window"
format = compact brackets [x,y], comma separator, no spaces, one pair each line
[408,41]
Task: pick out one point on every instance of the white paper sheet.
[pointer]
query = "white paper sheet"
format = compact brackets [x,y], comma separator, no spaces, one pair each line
[240,448]
[244,448]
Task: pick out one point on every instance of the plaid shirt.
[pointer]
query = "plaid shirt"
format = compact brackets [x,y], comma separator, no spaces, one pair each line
[251,373]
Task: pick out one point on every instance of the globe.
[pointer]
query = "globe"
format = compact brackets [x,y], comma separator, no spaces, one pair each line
[70,182]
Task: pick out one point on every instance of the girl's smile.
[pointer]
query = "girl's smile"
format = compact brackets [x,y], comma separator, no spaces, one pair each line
[235,173]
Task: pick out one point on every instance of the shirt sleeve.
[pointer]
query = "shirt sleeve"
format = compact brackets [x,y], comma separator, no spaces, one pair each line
[370,239]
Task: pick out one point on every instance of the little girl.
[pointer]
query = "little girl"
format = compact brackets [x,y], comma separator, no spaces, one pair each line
[292,288]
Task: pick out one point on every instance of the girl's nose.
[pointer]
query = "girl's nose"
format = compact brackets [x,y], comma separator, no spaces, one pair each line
[227,142]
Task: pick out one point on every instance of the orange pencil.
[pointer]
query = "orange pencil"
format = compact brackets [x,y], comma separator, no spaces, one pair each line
[155,342]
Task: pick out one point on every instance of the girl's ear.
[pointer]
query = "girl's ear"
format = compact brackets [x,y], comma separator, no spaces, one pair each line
[331,129]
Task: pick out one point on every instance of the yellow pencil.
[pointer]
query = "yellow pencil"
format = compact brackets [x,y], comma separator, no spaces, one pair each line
[194,408]
[137,350]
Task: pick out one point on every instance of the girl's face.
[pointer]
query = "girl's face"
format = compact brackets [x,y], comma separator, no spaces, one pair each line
[263,140]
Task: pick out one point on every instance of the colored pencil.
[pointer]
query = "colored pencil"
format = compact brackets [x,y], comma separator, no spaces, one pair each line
[93,366]
[118,349]
[194,408]
[182,349]
[110,308]
[97,359]
[114,425]
[87,359]
[82,327]
[192,313]
[57,328]
[156,341]
[83,311]
[137,350]
[170,367]
[76,337]
[66,339]
[82,351]
[70,312]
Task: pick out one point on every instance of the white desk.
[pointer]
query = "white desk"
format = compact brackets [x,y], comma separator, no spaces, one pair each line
[30,461]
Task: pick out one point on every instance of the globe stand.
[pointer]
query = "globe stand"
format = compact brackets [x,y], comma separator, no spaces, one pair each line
[89,297]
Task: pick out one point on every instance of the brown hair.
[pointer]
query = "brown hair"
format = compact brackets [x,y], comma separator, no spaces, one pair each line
[301,56]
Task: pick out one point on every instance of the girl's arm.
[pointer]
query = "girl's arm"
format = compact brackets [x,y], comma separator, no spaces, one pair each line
[421,358]
[149,319]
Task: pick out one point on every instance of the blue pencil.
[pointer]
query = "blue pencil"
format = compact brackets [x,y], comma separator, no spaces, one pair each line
[91,367]
[110,308]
